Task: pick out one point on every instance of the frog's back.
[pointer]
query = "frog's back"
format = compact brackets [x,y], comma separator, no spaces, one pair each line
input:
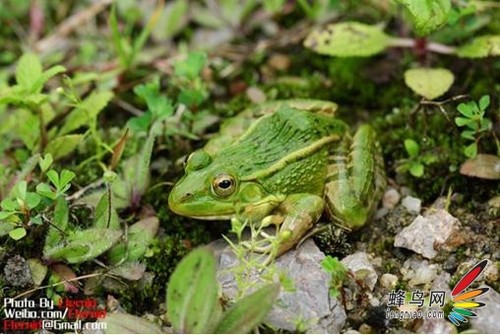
[290,136]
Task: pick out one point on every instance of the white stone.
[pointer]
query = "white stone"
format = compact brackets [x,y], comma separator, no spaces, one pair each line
[391,198]
[426,233]
[412,204]
[359,264]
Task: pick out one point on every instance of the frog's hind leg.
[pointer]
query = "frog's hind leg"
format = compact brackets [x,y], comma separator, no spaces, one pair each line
[355,179]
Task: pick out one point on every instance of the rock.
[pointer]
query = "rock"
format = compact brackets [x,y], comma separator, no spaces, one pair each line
[482,166]
[422,273]
[381,213]
[17,272]
[310,302]
[412,204]
[388,280]
[486,320]
[391,198]
[359,264]
[436,326]
[256,95]
[279,62]
[426,235]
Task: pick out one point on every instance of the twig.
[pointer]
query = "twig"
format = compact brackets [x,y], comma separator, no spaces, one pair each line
[69,25]
[401,42]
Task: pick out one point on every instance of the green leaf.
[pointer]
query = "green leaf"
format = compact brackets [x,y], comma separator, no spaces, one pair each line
[45,162]
[192,292]
[123,323]
[32,200]
[468,134]
[5,228]
[105,213]
[46,191]
[429,83]
[86,112]
[38,270]
[65,178]
[59,225]
[5,214]
[84,245]
[29,69]
[139,237]
[17,234]
[172,19]
[417,169]
[412,147]
[461,121]
[190,67]
[348,39]
[471,150]
[484,102]
[249,312]
[427,15]
[479,47]
[140,123]
[53,177]
[19,190]
[28,129]
[158,104]
[143,159]
[63,145]
[10,205]
[467,109]
[38,84]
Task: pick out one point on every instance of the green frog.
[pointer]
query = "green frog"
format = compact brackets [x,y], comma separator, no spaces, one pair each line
[284,162]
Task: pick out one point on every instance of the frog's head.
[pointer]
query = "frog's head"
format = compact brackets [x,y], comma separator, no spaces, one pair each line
[210,190]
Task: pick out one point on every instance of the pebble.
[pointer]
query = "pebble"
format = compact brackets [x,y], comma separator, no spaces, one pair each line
[412,204]
[391,198]
[360,265]
[388,280]
[256,95]
[428,234]
[486,320]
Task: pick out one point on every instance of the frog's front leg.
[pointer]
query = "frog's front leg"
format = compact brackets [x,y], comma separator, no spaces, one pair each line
[356,179]
[294,217]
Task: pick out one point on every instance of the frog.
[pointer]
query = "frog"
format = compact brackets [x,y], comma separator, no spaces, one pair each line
[287,163]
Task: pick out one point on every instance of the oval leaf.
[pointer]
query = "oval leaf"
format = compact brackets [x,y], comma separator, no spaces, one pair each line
[427,15]
[84,245]
[429,83]
[249,312]
[348,39]
[17,234]
[140,235]
[63,145]
[479,47]
[123,323]
[192,292]
[482,166]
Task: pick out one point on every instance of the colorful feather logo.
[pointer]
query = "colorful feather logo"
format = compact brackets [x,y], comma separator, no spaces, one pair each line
[462,305]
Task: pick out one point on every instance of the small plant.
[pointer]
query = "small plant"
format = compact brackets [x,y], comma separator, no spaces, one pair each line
[194,305]
[474,124]
[338,273]
[416,161]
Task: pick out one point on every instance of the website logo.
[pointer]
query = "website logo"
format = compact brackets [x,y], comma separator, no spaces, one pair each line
[463,302]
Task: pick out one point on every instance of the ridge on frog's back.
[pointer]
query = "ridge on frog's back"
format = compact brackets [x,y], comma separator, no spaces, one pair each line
[284,164]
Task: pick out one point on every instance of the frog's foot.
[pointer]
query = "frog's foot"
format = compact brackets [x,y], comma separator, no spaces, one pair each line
[356,179]
[300,211]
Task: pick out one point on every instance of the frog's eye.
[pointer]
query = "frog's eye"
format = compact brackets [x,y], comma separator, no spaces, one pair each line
[224,185]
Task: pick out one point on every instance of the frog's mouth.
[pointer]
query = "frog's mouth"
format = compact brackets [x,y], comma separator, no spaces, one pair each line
[213,217]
